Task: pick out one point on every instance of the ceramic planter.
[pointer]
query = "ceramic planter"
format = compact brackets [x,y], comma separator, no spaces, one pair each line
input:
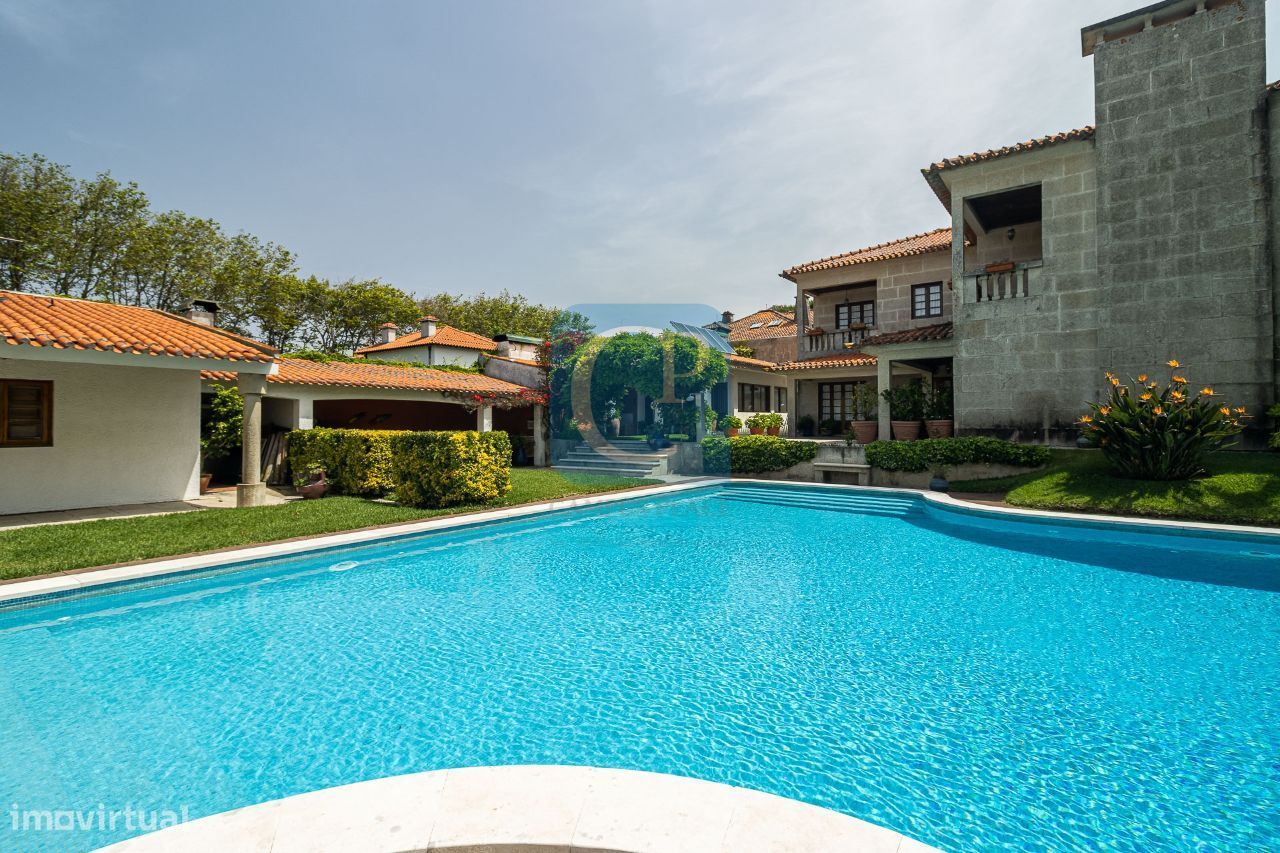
[314,490]
[773,430]
[730,431]
[205,479]
[906,430]
[866,431]
[757,431]
[939,428]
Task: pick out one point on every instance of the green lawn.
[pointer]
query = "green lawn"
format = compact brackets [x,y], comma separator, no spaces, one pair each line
[1241,488]
[59,547]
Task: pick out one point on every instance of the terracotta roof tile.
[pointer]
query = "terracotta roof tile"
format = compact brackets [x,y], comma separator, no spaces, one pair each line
[445,336]
[852,359]
[936,332]
[297,371]
[740,330]
[531,362]
[734,358]
[59,322]
[917,244]
[931,173]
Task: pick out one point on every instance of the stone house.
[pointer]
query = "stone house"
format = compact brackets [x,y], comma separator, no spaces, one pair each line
[1149,235]
[432,343]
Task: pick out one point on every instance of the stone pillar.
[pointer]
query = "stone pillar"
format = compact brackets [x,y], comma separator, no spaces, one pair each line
[539,437]
[251,491]
[484,419]
[884,379]
[306,413]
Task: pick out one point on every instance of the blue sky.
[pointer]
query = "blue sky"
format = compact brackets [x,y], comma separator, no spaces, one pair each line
[574,151]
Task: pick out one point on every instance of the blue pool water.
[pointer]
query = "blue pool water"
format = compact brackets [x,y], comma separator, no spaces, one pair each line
[977,685]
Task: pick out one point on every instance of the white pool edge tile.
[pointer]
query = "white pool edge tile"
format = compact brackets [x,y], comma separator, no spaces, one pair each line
[505,809]
[83,580]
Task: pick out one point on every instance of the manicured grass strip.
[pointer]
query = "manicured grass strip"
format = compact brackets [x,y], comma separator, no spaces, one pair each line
[60,547]
[1241,488]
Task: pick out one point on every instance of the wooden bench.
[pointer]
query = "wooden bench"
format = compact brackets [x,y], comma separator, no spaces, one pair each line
[861,473]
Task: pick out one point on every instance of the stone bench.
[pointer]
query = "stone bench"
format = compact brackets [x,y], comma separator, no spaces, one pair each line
[861,473]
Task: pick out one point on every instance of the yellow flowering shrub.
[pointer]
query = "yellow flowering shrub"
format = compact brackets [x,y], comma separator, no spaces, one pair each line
[1148,431]
[356,461]
[440,469]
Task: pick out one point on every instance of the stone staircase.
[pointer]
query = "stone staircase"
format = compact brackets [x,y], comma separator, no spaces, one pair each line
[621,459]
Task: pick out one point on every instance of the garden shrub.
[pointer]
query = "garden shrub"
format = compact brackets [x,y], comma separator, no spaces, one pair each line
[1149,432]
[441,469]
[715,455]
[756,454]
[1274,412]
[358,461]
[931,453]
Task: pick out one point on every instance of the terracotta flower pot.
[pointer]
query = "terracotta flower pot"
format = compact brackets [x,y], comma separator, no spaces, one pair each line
[757,431]
[866,431]
[939,428]
[205,479]
[906,430]
[314,490]
[773,430]
[730,431]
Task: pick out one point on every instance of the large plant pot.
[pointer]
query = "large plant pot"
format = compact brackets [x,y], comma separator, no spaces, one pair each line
[773,430]
[730,431]
[906,430]
[205,480]
[757,431]
[314,490]
[939,428]
[866,431]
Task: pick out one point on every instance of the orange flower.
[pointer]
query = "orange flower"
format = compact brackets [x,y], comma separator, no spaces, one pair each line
[1225,411]
[1173,362]
[1142,377]
[1153,384]
[1085,419]
[1158,410]
[1115,381]
[1104,410]
[1239,410]
[1181,380]
[1177,396]
[1145,396]
[1110,375]
[1206,391]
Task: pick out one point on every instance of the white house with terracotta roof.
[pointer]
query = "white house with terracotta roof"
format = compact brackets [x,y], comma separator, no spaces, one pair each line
[1152,234]
[432,343]
[100,403]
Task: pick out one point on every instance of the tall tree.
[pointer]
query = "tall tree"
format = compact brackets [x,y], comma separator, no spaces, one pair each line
[353,312]
[89,249]
[36,198]
[169,260]
[506,313]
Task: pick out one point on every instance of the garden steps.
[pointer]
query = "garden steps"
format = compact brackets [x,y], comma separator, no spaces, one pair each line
[619,461]
[861,503]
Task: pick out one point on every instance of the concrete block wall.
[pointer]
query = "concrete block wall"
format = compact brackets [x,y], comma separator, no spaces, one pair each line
[1183,223]
[1025,367]
[888,282]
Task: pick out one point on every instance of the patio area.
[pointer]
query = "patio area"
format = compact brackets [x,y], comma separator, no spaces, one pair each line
[223,497]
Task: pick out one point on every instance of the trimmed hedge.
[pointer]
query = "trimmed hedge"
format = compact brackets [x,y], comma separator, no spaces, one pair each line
[936,452]
[358,461]
[754,454]
[440,469]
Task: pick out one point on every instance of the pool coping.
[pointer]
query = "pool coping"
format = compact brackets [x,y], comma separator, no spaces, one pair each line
[56,585]
[527,808]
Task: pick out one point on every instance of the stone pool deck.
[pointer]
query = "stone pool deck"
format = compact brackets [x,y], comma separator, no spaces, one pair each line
[530,809]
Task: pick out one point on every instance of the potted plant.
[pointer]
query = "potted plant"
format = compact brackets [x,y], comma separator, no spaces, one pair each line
[829,427]
[312,483]
[806,425]
[756,423]
[938,421]
[773,422]
[220,430]
[731,424]
[865,427]
[938,482]
[906,409]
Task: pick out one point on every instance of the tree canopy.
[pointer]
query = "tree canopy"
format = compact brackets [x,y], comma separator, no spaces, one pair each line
[98,238]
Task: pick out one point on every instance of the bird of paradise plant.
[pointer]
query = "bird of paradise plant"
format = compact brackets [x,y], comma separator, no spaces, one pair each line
[1147,431]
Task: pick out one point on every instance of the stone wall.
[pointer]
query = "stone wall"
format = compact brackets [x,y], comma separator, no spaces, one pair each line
[1183,254]
[1024,367]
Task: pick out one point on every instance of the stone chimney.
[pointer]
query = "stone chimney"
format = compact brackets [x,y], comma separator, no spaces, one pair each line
[428,326]
[726,317]
[386,333]
[202,311]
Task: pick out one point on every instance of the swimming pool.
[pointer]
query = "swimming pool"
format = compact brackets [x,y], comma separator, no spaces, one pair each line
[973,683]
